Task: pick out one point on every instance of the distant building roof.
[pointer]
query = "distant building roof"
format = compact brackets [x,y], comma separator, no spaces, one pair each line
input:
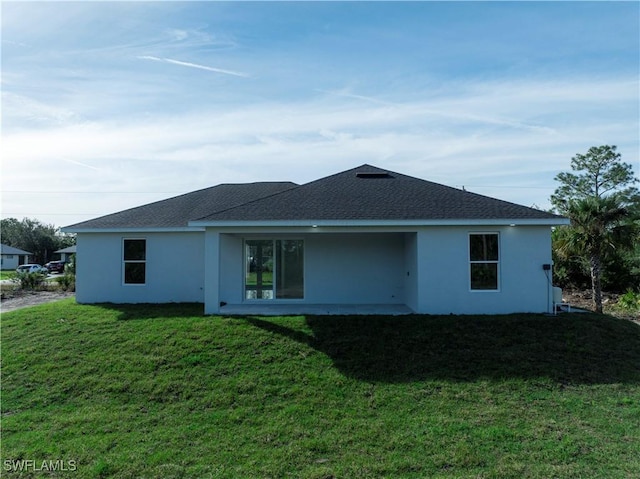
[69,250]
[6,249]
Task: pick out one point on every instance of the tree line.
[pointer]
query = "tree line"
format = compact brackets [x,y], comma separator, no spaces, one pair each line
[34,236]
[600,249]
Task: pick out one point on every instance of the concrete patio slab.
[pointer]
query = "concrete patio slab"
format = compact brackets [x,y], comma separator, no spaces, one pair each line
[314,309]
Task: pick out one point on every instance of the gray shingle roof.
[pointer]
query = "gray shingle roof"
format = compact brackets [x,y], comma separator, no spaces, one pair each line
[68,249]
[177,211]
[6,249]
[362,193]
[370,193]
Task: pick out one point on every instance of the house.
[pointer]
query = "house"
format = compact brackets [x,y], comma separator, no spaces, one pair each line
[66,253]
[12,257]
[361,241]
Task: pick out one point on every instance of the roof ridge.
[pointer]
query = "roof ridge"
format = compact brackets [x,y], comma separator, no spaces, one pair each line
[249,183]
[284,191]
[147,204]
[204,192]
[252,201]
[375,200]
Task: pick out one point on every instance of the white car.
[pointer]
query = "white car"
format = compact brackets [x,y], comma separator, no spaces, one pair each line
[31,268]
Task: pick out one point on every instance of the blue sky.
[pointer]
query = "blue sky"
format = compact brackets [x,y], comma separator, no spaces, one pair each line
[109,105]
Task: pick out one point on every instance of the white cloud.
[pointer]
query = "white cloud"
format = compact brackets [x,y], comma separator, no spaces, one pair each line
[73,162]
[506,139]
[178,34]
[193,65]
[19,108]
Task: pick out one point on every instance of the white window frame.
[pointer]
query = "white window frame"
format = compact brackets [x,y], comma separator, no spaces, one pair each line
[128,261]
[496,262]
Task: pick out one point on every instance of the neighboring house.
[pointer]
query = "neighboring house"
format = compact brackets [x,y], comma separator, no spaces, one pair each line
[66,253]
[12,257]
[364,240]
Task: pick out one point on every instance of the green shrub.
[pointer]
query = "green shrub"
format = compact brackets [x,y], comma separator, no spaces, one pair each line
[67,282]
[70,267]
[629,301]
[29,281]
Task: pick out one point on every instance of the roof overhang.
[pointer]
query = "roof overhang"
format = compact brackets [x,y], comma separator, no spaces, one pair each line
[380,223]
[181,229]
[195,226]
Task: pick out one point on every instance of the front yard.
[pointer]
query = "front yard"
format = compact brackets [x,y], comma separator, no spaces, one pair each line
[163,392]
[7,275]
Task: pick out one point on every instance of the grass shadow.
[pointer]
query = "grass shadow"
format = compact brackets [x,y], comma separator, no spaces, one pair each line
[570,349]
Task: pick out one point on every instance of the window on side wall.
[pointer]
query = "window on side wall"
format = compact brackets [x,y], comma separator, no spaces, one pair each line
[134,254]
[484,259]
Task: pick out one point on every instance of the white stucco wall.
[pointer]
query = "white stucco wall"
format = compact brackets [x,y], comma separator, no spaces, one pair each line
[355,268]
[426,269]
[411,270]
[338,268]
[231,269]
[174,271]
[444,271]
[10,261]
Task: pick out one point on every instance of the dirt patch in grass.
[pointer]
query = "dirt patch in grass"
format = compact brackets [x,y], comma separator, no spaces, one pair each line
[12,300]
[583,299]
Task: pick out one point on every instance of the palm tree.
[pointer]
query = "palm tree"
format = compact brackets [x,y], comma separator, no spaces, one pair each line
[596,225]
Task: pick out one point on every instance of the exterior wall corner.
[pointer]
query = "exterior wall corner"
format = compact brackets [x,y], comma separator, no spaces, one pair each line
[211,272]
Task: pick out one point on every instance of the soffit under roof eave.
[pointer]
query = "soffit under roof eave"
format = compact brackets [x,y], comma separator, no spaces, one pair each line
[382,223]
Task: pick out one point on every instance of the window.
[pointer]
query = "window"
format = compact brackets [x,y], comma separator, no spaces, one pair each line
[484,261]
[274,269]
[135,265]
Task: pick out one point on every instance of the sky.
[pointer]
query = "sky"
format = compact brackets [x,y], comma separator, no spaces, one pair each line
[111,105]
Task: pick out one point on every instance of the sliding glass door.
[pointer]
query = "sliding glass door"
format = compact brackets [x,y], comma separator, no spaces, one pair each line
[289,269]
[274,269]
[259,269]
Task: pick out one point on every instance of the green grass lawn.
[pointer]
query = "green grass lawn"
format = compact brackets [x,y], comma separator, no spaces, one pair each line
[7,275]
[163,392]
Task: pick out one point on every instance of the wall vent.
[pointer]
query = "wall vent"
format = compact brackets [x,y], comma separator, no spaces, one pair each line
[373,174]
